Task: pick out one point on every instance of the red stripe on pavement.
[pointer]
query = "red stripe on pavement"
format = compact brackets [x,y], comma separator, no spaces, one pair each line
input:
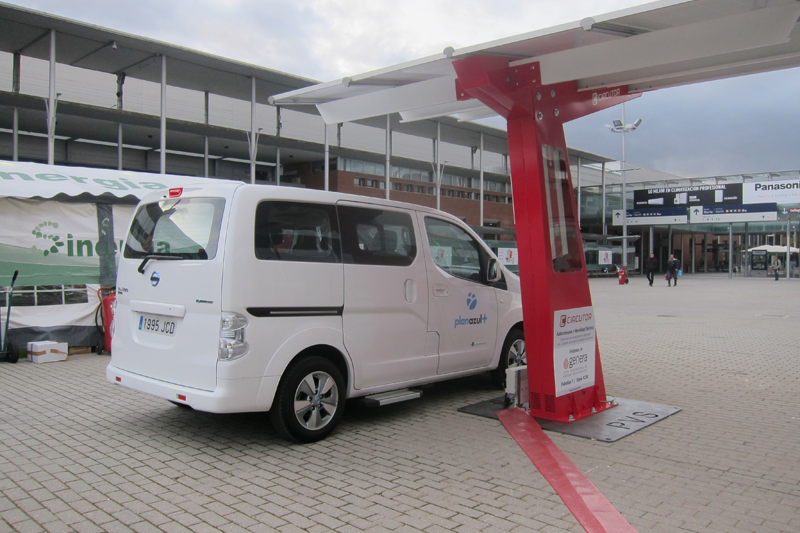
[587,504]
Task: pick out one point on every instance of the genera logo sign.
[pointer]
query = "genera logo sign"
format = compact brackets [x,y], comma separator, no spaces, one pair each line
[567,320]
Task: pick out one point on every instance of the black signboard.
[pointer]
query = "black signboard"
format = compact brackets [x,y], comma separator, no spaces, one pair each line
[707,195]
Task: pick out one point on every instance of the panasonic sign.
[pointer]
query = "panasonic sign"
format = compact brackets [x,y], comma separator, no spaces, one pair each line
[763,192]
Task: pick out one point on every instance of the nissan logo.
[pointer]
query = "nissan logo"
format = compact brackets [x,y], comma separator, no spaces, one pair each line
[155,278]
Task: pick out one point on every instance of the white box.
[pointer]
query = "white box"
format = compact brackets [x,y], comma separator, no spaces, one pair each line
[30,347]
[47,351]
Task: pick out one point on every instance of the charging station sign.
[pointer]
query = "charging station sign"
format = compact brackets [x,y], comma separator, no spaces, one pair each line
[573,349]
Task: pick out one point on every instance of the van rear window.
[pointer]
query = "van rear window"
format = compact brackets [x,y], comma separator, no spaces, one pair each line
[297,231]
[184,227]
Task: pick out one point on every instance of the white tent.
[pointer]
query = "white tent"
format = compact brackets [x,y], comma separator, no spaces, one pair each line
[770,249]
[61,228]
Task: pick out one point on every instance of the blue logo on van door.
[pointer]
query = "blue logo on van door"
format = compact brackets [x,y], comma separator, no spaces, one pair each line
[155,278]
[472,302]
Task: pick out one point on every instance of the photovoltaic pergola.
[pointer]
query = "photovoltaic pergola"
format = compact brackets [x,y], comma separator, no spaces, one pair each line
[538,81]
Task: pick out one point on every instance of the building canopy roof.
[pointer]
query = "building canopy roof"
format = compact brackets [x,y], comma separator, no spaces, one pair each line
[27,32]
[661,44]
[83,45]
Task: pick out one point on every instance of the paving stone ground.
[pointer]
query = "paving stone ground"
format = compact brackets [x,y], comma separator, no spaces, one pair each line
[79,454]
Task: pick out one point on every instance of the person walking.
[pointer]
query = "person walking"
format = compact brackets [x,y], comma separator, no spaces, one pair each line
[673,265]
[776,266]
[651,265]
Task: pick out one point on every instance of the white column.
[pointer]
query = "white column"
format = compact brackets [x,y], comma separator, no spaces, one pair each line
[624,198]
[745,247]
[730,250]
[438,149]
[119,146]
[51,102]
[788,249]
[15,136]
[205,137]
[327,164]
[669,239]
[388,154]
[480,164]
[651,241]
[669,246]
[120,86]
[579,191]
[278,149]
[15,87]
[253,139]
[163,162]
[603,196]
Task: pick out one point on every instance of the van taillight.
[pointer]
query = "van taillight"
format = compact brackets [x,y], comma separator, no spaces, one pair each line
[231,336]
[175,192]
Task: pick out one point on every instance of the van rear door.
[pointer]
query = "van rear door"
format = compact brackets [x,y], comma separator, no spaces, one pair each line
[167,321]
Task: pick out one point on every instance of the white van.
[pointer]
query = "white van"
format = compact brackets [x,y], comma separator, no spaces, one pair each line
[236,298]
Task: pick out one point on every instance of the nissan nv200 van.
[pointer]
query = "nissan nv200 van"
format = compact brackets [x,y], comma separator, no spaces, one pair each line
[243,298]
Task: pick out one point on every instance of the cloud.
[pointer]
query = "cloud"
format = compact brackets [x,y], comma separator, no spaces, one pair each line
[726,127]
[325,39]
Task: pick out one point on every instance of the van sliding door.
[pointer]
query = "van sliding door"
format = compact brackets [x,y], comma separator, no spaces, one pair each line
[385,304]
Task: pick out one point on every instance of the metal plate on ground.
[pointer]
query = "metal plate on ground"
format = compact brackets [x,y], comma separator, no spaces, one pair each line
[608,426]
[486,408]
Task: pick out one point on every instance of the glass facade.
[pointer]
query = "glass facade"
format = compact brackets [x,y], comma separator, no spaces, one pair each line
[448,180]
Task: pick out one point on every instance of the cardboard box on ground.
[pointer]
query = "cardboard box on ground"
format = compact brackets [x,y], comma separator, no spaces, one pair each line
[47,351]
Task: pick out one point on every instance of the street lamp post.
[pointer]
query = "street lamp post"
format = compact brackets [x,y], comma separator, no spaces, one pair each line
[620,127]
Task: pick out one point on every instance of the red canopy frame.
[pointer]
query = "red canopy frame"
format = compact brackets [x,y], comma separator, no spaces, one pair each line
[565,375]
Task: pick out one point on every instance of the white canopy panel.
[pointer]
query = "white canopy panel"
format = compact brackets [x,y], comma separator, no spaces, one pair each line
[661,44]
[38,181]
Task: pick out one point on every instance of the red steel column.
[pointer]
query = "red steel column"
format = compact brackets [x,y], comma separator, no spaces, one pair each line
[565,376]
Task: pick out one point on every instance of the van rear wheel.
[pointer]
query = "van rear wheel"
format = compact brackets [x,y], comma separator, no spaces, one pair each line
[310,400]
[513,355]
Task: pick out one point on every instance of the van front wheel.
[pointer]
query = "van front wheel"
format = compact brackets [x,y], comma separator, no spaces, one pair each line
[513,354]
[310,400]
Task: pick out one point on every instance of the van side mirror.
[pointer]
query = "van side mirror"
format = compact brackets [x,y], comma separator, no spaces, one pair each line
[493,272]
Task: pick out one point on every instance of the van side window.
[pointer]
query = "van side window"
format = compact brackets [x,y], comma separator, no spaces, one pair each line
[377,236]
[297,231]
[454,250]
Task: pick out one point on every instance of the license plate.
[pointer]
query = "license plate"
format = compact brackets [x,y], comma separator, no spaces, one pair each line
[159,324]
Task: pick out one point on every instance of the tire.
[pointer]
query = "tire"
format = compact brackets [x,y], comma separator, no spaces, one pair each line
[309,401]
[12,355]
[513,354]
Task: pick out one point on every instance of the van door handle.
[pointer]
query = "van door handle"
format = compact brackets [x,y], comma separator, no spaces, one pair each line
[410,290]
[440,290]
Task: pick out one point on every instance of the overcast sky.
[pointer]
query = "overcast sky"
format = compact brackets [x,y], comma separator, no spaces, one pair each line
[742,125]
